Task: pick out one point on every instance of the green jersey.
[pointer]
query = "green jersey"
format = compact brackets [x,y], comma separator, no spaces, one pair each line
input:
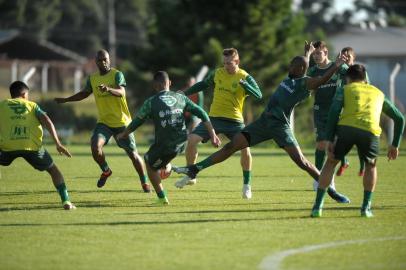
[289,93]
[166,109]
[325,93]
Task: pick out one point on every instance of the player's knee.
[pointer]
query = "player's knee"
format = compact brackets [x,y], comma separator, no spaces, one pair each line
[193,140]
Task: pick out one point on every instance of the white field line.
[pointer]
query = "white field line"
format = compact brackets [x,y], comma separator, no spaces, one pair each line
[272,262]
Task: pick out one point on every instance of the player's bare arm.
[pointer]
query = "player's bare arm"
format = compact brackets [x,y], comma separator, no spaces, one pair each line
[215,140]
[47,123]
[76,97]
[118,92]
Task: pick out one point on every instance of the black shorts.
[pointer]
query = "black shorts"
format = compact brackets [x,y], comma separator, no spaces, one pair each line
[40,160]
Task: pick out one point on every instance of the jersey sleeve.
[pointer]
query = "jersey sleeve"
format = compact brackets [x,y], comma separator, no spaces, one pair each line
[334,113]
[120,80]
[251,87]
[202,85]
[88,86]
[38,111]
[195,110]
[142,115]
[391,111]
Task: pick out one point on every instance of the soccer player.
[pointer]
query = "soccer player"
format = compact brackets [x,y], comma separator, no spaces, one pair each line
[274,122]
[231,86]
[166,109]
[21,124]
[108,88]
[361,105]
[322,103]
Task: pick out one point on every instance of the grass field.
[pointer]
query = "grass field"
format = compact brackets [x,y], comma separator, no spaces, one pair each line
[207,226]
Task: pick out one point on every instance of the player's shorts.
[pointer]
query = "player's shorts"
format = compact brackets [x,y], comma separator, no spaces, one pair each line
[366,142]
[157,157]
[105,132]
[269,128]
[41,160]
[320,117]
[222,126]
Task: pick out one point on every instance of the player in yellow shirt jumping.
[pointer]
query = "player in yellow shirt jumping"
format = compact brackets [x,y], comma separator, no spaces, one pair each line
[108,88]
[21,124]
[231,86]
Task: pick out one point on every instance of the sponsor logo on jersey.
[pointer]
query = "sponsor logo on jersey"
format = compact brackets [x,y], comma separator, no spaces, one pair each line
[168,100]
[17,108]
[287,87]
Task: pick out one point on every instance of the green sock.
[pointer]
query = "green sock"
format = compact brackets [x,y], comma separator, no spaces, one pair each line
[366,204]
[63,192]
[318,204]
[204,164]
[344,161]
[161,194]
[320,157]
[247,177]
[144,179]
[104,167]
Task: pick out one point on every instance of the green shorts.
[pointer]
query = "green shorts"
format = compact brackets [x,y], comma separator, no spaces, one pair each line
[222,126]
[366,142]
[105,132]
[320,117]
[267,128]
[40,160]
[158,157]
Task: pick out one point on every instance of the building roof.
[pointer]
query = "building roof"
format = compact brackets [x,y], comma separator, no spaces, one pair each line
[13,45]
[380,42]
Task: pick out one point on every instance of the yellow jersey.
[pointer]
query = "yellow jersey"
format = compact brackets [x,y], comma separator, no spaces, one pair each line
[20,128]
[229,95]
[362,107]
[113,111]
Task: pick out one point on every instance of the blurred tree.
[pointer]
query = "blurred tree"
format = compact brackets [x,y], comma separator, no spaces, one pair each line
[393,12]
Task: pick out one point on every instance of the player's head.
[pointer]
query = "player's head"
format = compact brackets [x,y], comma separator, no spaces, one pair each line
[19,89]
[350,54]
[231,60]
[161,81]
[320,54]
[298,67]
[356,73]
[103,61]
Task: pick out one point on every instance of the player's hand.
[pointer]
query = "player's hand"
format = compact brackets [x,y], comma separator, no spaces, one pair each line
[122,135]
[341,59]
[60,100]
[103,88]
[62,150]
[215,141]
[393,152]
[309,48]
[330,150]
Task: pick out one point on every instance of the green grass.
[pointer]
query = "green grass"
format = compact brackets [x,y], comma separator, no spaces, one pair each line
[207,226]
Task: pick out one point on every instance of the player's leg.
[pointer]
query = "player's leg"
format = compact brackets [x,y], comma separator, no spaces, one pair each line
[343,166]
[128,144]
[100,137]
[319,158]
[361,171]
[42,161]
[155,179]
[246,164]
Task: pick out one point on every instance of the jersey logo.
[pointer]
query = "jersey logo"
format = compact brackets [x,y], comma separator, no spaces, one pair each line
[17,108]
[168,100]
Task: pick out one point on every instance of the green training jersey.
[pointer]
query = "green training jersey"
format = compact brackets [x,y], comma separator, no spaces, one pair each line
[166,109]
[324,95]
[20,128]
[289,93]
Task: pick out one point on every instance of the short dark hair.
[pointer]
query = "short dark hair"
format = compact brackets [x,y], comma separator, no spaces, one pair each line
[356,73]
[350,50]
[17,88]
[319,44]
[161,77]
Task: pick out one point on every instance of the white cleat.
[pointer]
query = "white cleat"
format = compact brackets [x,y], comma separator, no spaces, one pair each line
[185,181]
[246,191]
[315,185]
[67,205]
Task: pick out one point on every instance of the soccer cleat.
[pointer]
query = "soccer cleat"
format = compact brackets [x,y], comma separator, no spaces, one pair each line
[315,185]
[316,213]
[67,205]
[186,180]
[342,168]
[180,170]
[103,178]
[162,201]
[246,191]
[361,173]
[338,197]
[366,213]
[146,187]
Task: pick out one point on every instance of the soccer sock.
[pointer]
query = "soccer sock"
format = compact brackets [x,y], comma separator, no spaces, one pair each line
[318,204]
[144,179]
[344,161]
[104,167]
[63,192]
[161,194]
[366,204]
[247,177]
[320,156]
[204,164]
